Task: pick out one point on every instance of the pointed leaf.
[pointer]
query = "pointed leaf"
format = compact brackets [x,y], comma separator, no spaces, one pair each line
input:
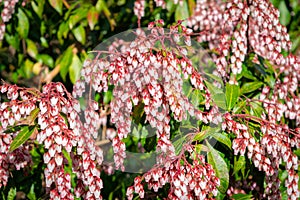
[74,70]
[79,34]
[220,167]
[65,62]
[23,24]
[57,5]
[240,164]
[31,48]
[232,95]
[217,95]
[182,12]
[251,86]
[92,17]
[22,137]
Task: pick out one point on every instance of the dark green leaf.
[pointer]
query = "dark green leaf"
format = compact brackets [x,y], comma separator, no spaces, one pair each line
[220,167]
[23,24]
[232,95]
[22,137]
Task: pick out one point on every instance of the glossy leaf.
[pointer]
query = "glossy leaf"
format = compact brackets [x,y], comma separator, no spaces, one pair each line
[220,167]
[22,137]
[250,86]
[57,5]
[23,24]
[232,95]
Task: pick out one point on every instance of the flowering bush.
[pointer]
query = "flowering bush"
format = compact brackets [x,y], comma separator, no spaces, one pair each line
[223,126]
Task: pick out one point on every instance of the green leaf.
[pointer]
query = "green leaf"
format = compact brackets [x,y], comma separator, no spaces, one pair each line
[223,138]
[45,59]
[12,193]
[22,137]
[217,95]
[241,196]
[38,8]
[250,86]
[62,32]
[65,62]
[79,33]
[31,48]
[57,5]
[240,164]
[220,167]
[232,95]
[79,15]
[182,12]
[285,16]
[178,143]
[31,194]
[92,17]
[13,40]
[75,67]
[23,24]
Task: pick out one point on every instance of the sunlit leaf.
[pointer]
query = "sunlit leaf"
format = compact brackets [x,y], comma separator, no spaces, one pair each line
[65,62]
[182,12]
[92,17]
[45,59]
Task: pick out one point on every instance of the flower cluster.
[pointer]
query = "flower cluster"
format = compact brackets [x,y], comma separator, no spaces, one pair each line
[188,180]
[6,13]
[74,138]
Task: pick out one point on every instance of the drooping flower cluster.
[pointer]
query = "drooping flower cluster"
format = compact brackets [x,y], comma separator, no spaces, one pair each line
[56,136]
[140,75]
[188,180]
[6,13]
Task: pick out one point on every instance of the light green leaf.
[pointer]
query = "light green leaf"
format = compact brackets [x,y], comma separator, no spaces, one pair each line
[13,40]
[241,196]
[239,164]
[12,193]
[79,15]
[217,95]
[31,48]
[232,95]
[223,138]
[62,32]
[285,16]
[79,33]
[182,12]
[250,86]
[38,8]
[23,24]
[57,5]
[75,67]
[31,194]
[22,137]
[220,167]
[45,59]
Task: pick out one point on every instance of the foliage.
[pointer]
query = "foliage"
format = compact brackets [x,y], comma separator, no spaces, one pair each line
[228,133]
